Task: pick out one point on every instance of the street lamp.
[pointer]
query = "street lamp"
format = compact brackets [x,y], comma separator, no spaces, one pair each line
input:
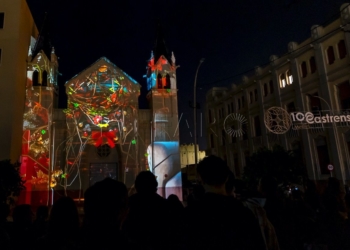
[195,114]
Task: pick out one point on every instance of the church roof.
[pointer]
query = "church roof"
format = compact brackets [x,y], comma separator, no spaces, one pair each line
[111,67]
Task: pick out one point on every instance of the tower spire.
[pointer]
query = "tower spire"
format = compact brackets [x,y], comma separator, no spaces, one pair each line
[160,48]
[43,41]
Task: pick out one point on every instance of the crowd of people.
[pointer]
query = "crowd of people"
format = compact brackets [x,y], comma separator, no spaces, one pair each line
[221,213]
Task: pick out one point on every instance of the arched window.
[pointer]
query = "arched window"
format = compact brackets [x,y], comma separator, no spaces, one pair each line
[243,101]
[239,103]
[342,49]
[330,55]
[251,97]
[35,78]
[303,68]
[167,86]
[289,77]
[159,81]
[265,89]
[256,94]
[44,78]
[312,64]
[282,80]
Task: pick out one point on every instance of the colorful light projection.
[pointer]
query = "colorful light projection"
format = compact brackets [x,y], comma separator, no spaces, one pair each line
[36,143]
[102,109]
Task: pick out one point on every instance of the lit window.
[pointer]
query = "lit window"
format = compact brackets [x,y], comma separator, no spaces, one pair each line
[312,64]
[2,16]
[289,77]
[303,69]
[341,49]
[330,55]
[282,81]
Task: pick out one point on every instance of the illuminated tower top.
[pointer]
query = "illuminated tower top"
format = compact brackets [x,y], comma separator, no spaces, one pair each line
[161,68]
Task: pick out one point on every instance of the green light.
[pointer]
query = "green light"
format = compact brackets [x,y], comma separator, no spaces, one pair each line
[168,90]
[76,104]
[43,131]
[133,142]
[146,155]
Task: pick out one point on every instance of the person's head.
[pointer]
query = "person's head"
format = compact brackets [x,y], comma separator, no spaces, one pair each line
[105,203]
[22,215]
[42,213]
[268,186]
[146,182]
[64,215]
[213,172]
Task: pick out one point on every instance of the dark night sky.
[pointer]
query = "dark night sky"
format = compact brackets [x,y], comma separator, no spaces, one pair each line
[233,37]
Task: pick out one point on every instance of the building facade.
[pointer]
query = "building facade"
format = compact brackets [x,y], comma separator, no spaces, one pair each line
[102,132]
[17,31]
[313,76]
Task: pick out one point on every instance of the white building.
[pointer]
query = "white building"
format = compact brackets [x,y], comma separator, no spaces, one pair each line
[312,76]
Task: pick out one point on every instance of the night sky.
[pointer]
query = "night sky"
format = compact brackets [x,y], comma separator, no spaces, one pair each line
[232,36]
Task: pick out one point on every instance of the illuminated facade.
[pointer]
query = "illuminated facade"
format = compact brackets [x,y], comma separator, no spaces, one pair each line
[102,132]
[313,76]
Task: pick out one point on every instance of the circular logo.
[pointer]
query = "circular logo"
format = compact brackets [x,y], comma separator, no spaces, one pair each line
[233,124]
[277,120]
[330,167]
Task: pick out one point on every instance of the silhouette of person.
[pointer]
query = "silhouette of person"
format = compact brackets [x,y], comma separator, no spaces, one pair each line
[219,221]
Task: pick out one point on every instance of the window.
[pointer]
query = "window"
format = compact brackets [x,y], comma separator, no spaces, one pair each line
[315,104]
[271,86]
[322,153]
[341,49]
[265,89]
[210,116]
[289,77]
[159,81]
[256,94]
[312,64]
[232,108]
[282,80]
[303,69]
[330,55]
[344,95]
[167,82]
[242,101]
[2,16]
[239,104]
[257,126]
[35,79]
[44,78]
[290,107]
[228,109]
[245,131]
[251,97]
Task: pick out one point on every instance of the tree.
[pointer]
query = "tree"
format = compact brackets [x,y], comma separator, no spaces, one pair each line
[11,183]
[285,166]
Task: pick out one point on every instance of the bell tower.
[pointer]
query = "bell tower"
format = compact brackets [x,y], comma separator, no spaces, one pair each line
[164,156]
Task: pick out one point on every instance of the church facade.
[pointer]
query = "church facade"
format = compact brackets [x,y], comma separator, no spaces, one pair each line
[102,132]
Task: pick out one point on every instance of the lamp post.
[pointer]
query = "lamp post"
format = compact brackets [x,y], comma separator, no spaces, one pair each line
[195,114]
